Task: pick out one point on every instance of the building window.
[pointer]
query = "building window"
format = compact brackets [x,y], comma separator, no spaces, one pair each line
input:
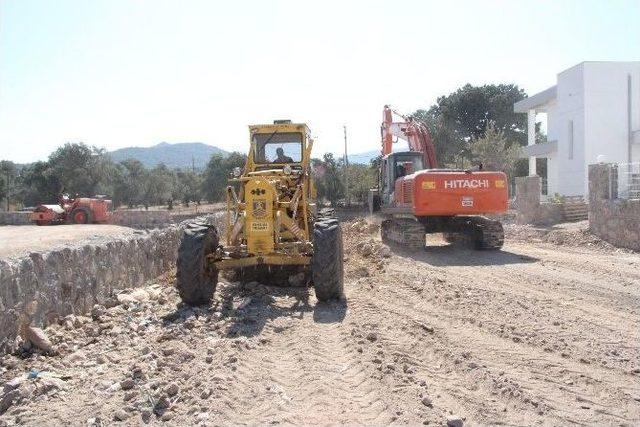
[570,139]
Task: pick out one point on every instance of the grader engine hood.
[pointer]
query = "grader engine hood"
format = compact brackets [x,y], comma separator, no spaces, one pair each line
[260,197]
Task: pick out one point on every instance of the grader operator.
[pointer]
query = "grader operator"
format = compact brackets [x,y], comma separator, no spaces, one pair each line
[272,221]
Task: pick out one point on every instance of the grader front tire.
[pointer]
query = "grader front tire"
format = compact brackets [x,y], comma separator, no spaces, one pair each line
[327,264]
[195,281]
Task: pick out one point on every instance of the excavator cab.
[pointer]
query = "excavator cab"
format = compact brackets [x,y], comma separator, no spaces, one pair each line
[394,167]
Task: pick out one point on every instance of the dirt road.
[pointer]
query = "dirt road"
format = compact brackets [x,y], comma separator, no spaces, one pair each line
[533,334]
[18,240]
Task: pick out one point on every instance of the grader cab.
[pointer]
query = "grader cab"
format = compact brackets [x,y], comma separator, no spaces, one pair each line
[272,223]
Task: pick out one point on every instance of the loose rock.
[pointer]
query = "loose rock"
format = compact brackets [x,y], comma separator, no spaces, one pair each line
[161,405]
[37,338]
[366,249]
[127,384]
[120,415]
[454,421]
[385,252]
[98,311]
[172,389]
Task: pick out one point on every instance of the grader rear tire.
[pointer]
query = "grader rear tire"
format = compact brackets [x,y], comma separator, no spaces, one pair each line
[195,281]
[327,264]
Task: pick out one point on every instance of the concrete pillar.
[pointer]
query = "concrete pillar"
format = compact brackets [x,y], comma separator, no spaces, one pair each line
[600,182]
[527,199]
[531,139]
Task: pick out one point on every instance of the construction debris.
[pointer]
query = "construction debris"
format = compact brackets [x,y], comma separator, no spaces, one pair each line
[497,337]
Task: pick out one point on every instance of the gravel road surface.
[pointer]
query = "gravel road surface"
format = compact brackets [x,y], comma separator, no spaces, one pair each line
[535,334]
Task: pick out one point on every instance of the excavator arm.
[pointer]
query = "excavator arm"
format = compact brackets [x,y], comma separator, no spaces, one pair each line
[410,130]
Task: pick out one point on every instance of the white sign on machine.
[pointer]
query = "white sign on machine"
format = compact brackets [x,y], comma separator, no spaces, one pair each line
[466,183]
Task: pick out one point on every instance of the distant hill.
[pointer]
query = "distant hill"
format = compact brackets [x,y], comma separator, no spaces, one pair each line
[179,155]
[363,158]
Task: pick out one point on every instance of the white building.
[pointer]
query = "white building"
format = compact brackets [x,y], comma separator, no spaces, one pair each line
[593,115]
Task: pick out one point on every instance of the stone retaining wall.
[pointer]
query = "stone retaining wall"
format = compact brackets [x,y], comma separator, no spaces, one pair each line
[72,280]
[141,219]
[186,216]
[615,220]
[14,218]
[137,219]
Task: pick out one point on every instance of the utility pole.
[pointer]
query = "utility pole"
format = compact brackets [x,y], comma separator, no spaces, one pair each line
[346,168]
[8,188]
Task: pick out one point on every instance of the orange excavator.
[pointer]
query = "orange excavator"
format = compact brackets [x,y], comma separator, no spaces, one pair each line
[415,197]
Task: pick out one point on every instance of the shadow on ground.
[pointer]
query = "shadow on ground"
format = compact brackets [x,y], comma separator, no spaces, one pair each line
[456,255]
[243,309]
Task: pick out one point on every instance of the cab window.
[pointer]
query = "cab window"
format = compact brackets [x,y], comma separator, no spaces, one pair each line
[278,147]
[407,166]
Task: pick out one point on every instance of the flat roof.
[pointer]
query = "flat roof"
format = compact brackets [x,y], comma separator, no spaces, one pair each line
[537,100]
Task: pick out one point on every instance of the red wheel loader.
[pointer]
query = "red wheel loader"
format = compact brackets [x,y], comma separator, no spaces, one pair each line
[81,210]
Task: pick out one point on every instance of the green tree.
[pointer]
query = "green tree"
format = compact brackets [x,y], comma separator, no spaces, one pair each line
[158,185]
[8,182]
[38,184]
[361,179]
[190,187]
[216,174]
[456,120]
[131,182]
[78,168]
[495,151]
[329,178]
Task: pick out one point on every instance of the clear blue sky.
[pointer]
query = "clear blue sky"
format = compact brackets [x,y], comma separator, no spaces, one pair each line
[118,73]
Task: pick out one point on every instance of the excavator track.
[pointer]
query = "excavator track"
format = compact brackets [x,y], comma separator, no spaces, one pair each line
[403,231]
[477,232]
[491,233]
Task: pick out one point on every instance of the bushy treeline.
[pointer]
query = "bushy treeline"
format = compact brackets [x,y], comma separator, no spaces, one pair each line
[472,125]
[87,171]
[330,180]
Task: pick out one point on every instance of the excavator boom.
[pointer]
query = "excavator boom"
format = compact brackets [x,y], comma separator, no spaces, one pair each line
[410,130]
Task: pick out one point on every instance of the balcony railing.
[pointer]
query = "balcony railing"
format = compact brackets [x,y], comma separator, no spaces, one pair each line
[627,180]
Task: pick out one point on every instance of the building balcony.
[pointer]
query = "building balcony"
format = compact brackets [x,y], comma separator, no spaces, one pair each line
[539,150]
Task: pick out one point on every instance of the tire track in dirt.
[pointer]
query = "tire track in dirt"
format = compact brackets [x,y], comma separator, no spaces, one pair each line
[515,319]
[487,361]
[307,372]
[544,311]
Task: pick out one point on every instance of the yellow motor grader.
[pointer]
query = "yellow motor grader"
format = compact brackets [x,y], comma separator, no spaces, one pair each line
[272,221]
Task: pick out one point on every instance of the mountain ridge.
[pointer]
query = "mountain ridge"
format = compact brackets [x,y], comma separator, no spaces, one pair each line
[182,155]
